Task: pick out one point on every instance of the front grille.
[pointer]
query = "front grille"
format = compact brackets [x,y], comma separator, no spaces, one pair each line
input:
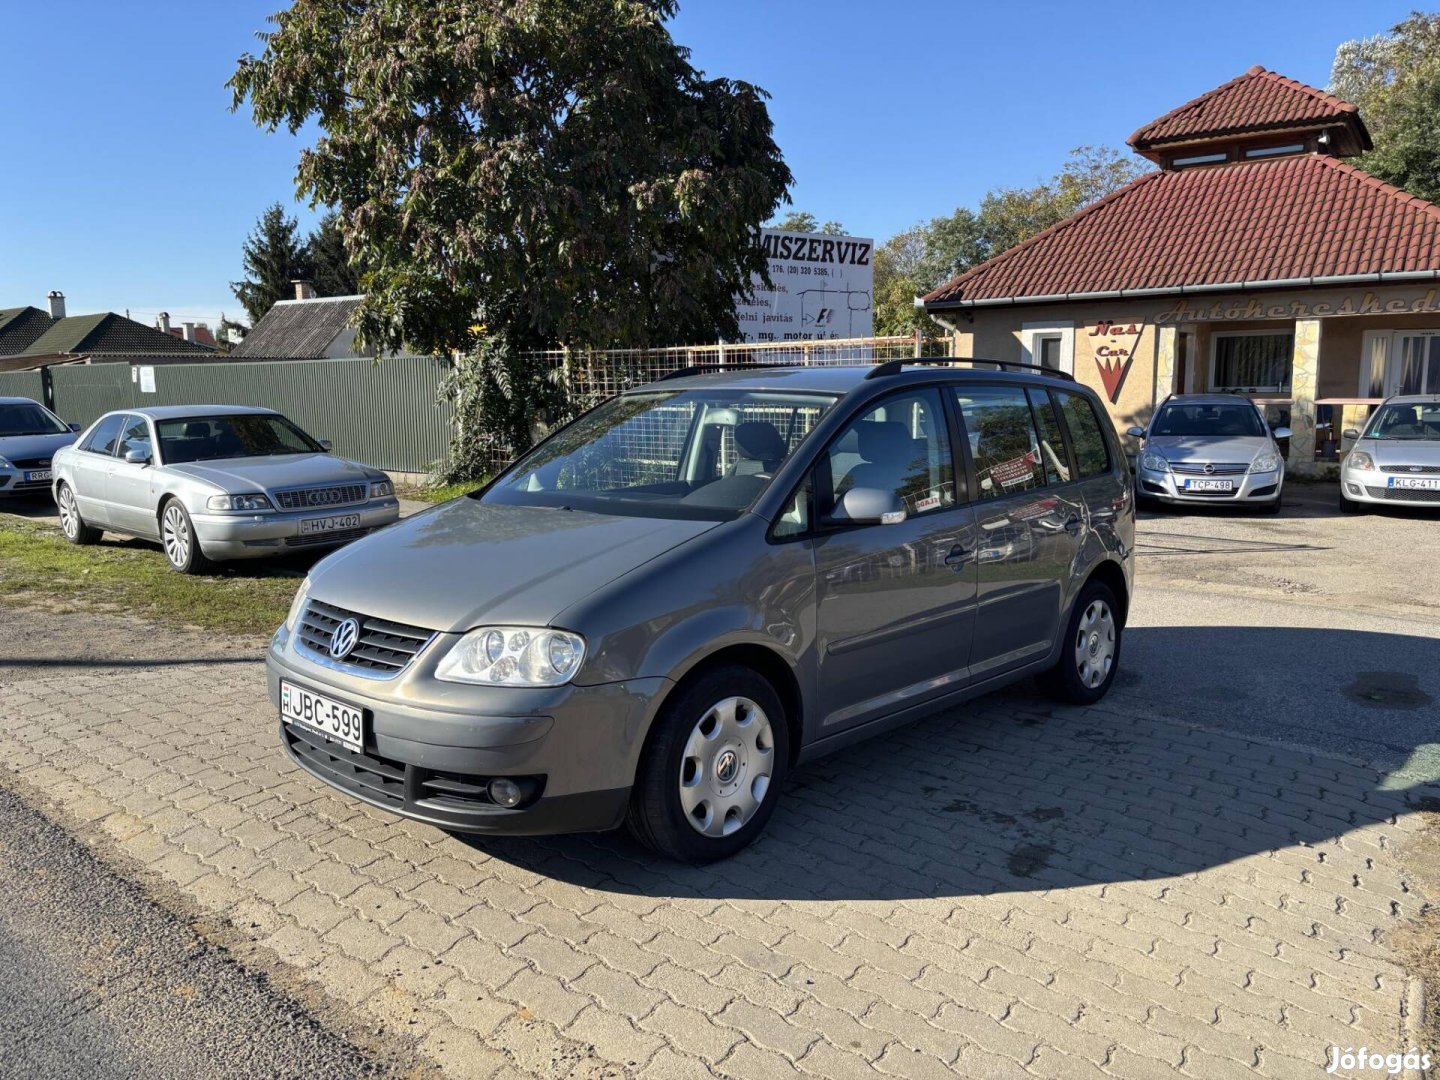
[1185,468]
[377,777]
[1208,494]
[1410,468]
[30,463]
[384,648]
[339,536]
[1403,494]
[318,498]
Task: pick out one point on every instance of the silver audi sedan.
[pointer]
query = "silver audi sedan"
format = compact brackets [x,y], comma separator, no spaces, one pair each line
[1396,462]
[215,482]
[1214,449]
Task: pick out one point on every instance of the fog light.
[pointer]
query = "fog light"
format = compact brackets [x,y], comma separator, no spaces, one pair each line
[505,792]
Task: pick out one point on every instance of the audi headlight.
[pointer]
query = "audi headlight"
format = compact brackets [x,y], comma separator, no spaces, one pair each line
[380,489]
[238,502]
[1154,462]
[1265,461]
[1359,459]
[513,656]
[297,605]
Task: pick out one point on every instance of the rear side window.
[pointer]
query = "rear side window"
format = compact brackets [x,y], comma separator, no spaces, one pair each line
[1003,442]
[1052,443]
[106,435]
[1092,455]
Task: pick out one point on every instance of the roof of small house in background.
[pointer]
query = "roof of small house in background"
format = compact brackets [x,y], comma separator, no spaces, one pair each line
[107,333]
[1254,103]
[19,327]
[298,329]
[1280,221]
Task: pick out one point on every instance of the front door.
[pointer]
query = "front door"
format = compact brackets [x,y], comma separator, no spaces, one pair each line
[127,487]
[1029,515]
[91,470]
[895,603]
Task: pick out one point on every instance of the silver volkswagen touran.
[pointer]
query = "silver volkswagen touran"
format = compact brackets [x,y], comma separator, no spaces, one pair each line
[663,608]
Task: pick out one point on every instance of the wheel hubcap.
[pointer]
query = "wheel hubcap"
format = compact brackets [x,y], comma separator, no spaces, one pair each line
[69,517]
[726,768]
[177,536]
[1095,644]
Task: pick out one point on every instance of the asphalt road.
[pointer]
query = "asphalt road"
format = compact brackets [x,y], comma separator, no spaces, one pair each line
[97,981]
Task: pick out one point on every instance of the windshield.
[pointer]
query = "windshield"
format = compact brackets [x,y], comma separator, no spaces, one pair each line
[28,418]
[703,454]
[206,438]
[1421,421]
[1225,420]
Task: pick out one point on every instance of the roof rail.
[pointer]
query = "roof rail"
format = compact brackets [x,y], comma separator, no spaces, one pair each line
[702,369]
[895,367]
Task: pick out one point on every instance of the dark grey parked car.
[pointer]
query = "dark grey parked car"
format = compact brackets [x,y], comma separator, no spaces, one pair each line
[664,607]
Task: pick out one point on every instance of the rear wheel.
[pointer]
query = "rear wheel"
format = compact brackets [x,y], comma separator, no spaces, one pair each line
[177,535]
[711,771]
[1090,652]
[71,523]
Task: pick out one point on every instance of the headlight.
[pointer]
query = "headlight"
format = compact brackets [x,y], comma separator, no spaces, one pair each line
[297,605]
[513,656]
[1149,459]
[1359,459]
[379,489]
[1265,461]
[238,502]
[5,464]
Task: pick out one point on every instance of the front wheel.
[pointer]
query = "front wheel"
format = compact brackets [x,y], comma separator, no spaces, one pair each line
[177,534]
[1348,506]
[711,771]
[1090,652]
[71,523]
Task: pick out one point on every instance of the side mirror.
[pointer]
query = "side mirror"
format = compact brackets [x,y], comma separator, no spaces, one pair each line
[1135,432]
[326,445]
[137,457]
[1281,433]
[73,427]
[1350,433]
[868,506]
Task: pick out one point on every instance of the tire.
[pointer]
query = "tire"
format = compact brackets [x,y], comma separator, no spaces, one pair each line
[1147,503]
[71,523]
[1349,507]
[680,806]
[1093,621]
[1273,507]
[177,537]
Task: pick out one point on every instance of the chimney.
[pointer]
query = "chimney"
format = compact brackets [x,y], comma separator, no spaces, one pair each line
[57,304]
[163,322]
[188,333]
[303,289]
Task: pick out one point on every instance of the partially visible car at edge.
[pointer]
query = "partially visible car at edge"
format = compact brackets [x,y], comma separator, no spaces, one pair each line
[29,436]
[215,482]
[1396,462]
[1212,449]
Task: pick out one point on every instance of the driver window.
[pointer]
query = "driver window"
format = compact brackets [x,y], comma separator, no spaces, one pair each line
[900,445]
[136,436]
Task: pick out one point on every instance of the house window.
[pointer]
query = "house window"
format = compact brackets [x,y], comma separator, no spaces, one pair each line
[1273,151]
[1400,362]
[1252,361]
[1047,351]
[1048,344]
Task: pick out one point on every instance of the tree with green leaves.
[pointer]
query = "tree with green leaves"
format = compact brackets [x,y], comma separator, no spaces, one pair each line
[1394,79]
[331,270]
[804,221]
[273,256]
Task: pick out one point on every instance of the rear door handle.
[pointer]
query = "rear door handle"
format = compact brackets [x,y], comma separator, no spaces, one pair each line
[957,558]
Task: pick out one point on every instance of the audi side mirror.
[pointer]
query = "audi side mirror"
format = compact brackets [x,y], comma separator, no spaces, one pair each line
[868,506]
[1135,432]
[137,457]
[1281,433]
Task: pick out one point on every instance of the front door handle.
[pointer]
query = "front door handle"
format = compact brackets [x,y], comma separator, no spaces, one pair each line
[957,558]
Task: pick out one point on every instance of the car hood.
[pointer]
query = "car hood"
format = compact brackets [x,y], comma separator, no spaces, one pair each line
[1390,451]
[1233,449]
[33,446]
[274,473]
[466,563]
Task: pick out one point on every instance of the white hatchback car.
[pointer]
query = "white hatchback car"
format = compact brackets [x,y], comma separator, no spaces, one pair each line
[1396,462]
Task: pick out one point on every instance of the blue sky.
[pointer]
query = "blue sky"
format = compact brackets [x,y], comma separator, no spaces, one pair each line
[127,183]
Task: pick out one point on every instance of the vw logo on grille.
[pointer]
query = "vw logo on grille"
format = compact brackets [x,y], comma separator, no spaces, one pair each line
[347,635]
[1209,468]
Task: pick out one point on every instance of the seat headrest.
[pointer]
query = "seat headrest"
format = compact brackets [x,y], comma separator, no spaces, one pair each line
[197,429]
[884,440]
[758,440]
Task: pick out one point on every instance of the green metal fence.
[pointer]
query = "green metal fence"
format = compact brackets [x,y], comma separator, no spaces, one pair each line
[22,384]
[384,414]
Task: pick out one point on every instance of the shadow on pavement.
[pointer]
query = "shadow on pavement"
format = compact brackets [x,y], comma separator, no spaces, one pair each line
[1012,792]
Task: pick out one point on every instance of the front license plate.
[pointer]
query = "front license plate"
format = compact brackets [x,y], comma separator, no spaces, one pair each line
[40,474]
[335,720]
[310,526]
[1415,483]
[1209,485]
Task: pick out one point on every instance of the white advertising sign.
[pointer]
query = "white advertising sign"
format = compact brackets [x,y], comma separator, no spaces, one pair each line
[147,380]
[821,289]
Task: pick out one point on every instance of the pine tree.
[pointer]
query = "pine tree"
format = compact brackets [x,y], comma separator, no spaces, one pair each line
[273,257]
[330,267]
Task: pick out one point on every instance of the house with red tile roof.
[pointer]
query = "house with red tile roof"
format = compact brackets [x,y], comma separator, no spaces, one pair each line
[1255,259]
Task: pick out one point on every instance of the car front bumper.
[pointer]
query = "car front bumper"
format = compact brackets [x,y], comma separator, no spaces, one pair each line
[1249,488]
[13,482]
[1372,486]
[250,536]
[431,747]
